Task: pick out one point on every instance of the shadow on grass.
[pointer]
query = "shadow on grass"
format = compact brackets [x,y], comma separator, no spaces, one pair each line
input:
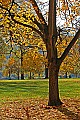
[71,115]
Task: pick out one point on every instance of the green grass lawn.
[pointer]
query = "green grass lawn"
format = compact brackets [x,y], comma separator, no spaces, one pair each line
[24,89]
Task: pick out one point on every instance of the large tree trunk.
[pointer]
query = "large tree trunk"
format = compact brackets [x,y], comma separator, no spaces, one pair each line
[53,85]
[52,56]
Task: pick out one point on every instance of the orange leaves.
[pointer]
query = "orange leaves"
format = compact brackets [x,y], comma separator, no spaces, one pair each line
[11,61]
[31,109]
[5,2]
[73,8]
[68,10]
[64,7]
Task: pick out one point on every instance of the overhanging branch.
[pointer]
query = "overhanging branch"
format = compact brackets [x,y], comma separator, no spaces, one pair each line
[26,25]
[41,28]
[35,22]
[29,26]
[38,24]
[38,12]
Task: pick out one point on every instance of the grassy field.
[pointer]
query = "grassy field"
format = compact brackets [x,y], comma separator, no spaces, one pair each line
[22,89]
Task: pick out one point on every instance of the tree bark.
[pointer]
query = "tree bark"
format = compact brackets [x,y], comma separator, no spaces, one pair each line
[66,75]
[18,73]
[46,73]
[30,76]
[52,56]
[22,76]
[53,85]
[10,74]
[22,71]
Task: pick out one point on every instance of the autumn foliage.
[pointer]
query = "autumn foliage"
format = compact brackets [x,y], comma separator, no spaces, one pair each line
[24,22]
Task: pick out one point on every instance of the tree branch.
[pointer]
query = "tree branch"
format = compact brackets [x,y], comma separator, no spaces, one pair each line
[65,53]
[41,27]
[1,26]
[38,24]
[35,22]
[37,10]
[11,4]
[26,25]
[3,8]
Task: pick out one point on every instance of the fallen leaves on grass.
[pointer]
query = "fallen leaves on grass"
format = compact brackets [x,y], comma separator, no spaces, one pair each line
[37,109]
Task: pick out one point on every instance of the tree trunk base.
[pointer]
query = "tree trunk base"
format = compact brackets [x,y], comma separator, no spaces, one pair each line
[55,103]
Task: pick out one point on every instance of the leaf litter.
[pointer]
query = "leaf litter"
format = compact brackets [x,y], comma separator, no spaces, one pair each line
[37,109]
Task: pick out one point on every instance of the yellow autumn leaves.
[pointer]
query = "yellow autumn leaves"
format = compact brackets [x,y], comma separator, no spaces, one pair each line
[20,38]
[33,61]
[25,36]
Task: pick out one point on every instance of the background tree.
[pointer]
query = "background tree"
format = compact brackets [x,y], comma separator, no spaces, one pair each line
[3,49]
[17,35]
[2,59]
[72,59]
[11,66]
[68,11]
[76,58]
[34,62]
